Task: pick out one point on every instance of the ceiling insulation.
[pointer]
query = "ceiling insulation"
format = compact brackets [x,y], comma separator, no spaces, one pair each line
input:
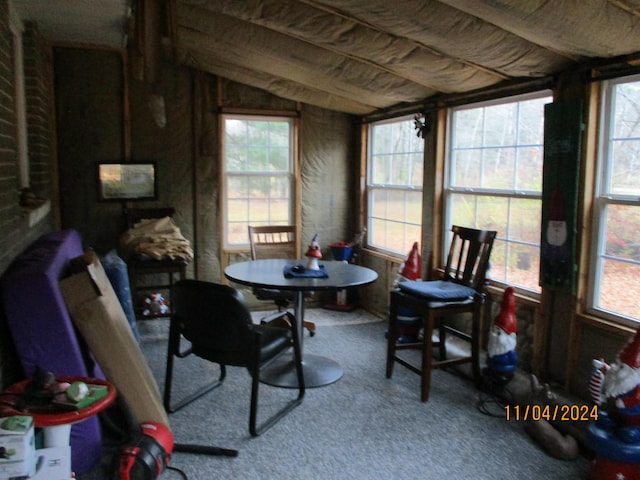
[363,56]
[360,56]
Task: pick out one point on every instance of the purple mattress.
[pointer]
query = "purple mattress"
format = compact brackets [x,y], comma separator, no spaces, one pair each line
[42,330]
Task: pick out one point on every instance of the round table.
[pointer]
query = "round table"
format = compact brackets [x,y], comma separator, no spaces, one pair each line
[318,370]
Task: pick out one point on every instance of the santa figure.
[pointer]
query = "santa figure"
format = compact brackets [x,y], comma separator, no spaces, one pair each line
[313,253]
[615,435]
[622,388]
[501,347]
[555,249]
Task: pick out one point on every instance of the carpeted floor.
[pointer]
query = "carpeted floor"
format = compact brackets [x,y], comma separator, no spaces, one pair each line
[364,426]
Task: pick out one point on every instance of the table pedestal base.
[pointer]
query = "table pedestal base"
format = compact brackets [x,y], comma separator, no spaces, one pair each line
[318,372]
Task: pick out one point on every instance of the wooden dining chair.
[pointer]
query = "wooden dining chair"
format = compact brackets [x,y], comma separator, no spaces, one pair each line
[459,291]
[275,241]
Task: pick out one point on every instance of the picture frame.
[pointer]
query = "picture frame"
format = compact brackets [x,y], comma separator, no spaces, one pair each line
[129,181]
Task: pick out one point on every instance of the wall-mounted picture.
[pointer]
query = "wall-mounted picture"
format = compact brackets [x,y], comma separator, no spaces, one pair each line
[127,181]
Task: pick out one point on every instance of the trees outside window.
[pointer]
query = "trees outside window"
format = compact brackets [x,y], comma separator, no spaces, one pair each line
[394,186]
[614,288]
[493,181]
[258,174]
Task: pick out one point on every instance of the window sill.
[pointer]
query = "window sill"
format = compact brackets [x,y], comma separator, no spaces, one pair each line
[605,324]
[33,215]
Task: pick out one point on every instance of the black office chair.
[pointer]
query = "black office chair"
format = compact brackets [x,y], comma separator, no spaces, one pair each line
[216,321]
[276,241]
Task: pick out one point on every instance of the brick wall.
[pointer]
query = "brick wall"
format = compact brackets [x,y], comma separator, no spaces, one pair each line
[9,211]
[38,93]
[16,232]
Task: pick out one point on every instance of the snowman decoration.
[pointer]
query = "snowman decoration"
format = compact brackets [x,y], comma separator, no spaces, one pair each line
[313,254]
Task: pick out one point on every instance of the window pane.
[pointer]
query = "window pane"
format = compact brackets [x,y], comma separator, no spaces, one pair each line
[622,232]
[620,289]
[525,218]
[624,161]
[499,167]
[236,160]
[466,167]
[238,210]
[627,115]
[468,128]
[413,208]
[380,170]
[258,168]
[529,170]
[279,211]
[514,258]
[394,182]
[615,287]
[497,150]
[257,159]
[524,266]
[237,233]
[279,135]
[500,125]
[531,121]
[278,159]
[237,187]
[625,167]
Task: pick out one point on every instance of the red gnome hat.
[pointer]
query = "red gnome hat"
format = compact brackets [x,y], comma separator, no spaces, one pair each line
[411,267]
[314,248]
[630,354]
[506,319]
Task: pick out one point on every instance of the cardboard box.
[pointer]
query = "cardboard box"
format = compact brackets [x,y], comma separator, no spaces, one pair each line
[53,463]
[17,447]
[98,315]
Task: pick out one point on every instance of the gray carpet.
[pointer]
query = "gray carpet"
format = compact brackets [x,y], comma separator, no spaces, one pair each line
[364,426]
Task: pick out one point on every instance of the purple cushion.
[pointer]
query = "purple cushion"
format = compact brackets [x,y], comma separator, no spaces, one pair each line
[41,327]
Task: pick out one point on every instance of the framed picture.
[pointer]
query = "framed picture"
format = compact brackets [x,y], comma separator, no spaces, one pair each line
[127,181]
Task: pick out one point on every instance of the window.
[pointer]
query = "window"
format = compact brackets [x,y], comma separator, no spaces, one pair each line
[394,186]
[493,181]
[258,174]
[614,286]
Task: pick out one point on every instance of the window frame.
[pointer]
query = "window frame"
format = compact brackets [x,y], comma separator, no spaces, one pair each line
[603,199]
[372,187]
[449,191]
[290,174]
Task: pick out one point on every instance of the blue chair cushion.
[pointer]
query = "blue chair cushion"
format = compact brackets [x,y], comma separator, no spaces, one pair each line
[437,290]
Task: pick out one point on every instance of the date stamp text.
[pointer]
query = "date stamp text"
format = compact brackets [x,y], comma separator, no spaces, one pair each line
[551,413]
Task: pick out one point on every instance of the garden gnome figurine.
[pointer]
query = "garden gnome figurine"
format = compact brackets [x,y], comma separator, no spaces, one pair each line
[410,269]
[615,433]
[313,253]
[501,347]
[409,321]
[622,387]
